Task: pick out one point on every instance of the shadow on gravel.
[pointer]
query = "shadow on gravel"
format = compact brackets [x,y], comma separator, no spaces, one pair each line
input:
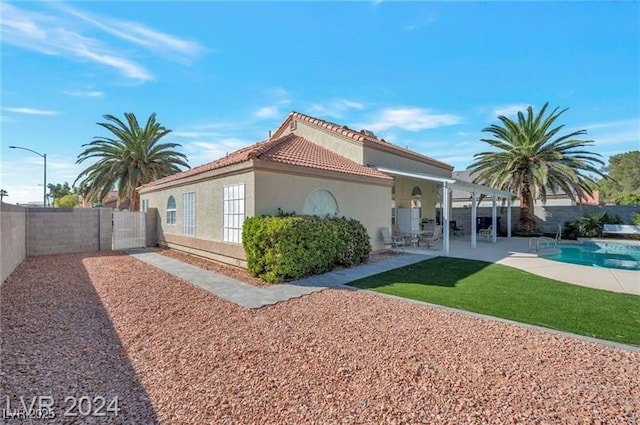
[58,343]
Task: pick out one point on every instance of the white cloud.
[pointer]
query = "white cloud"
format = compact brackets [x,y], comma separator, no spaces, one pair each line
[60,35]
[93,93]
[614,124]
[52,36]
[201,152]
[279,93]
[619,132]
[335,108]
[190,134]
[421,22]
[410,119]
[141,35]
[24,187]
[267,112]
[30,111]
[508,110]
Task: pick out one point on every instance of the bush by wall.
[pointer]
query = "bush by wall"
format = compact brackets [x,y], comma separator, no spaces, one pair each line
[589,225]
[290,247]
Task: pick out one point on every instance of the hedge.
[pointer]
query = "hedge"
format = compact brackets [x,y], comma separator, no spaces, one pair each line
[290,247]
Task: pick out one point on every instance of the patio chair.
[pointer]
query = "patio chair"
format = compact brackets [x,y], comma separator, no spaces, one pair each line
[412,238]
[430,237]
[393,241]
[486,233]
[454,229]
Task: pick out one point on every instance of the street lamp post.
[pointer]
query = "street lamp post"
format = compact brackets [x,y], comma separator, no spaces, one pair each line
[43,156]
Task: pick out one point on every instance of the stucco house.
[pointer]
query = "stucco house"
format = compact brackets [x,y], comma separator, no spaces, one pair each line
[308,166]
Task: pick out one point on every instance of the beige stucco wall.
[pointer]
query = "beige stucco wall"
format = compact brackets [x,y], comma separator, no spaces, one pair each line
[368,203]
[431,192]
[209,230]
[329,140]
[380,158]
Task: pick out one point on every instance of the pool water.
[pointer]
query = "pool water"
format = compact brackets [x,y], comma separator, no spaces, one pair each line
[599,254]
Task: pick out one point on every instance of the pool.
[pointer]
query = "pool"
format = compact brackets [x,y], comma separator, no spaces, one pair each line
[613,255]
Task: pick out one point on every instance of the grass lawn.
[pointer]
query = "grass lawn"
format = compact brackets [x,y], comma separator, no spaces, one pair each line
[510,293]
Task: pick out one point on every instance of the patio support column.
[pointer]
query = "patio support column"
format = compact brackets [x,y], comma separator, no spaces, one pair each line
[494,219]
[445,219]
[474,214]
[509,217]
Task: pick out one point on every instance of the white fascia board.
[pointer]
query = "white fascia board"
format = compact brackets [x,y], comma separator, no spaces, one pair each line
[415,175]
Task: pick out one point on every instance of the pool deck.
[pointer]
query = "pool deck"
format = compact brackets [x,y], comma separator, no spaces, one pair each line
[515,252]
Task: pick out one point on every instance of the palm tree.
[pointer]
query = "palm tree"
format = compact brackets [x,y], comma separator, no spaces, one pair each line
[530,160]
[3,193]
[131,158]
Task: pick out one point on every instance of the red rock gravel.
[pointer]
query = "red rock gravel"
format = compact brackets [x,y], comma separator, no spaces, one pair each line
[110,325]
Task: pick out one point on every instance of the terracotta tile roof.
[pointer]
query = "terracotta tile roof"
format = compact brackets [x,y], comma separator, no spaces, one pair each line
[359,137]
[291,150]
[236,157]
[296,150]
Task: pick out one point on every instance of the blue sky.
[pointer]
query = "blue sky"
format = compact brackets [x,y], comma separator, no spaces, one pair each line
[426,75]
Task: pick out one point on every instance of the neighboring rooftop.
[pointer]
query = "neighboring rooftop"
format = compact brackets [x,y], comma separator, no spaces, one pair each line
[290,149]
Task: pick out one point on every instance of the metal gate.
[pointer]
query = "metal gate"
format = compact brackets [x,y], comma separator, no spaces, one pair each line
[129,229]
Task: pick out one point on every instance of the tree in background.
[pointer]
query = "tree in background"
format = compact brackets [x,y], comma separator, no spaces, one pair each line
[3,194]
[67,201]
[64,196]
[530,158]
[133,156]
[623,186]
[57,191]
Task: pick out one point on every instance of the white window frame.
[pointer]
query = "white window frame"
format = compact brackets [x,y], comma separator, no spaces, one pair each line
[233,212]
[189,213]
[171,212]
[145,205]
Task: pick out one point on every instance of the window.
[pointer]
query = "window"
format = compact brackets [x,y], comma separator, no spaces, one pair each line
[145,205]
[233,213]
[320,202]
[171,210]
[189,216]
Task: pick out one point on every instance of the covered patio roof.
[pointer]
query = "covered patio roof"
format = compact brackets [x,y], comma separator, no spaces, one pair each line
[473,188]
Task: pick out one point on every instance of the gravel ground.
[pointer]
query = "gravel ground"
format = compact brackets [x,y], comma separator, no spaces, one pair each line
[109,325]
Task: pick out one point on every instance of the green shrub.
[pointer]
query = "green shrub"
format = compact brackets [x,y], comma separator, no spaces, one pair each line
[590,225]
[635,219]
[289,247]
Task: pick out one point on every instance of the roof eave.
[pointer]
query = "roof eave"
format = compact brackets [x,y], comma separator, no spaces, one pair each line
[217,172]
[260,164]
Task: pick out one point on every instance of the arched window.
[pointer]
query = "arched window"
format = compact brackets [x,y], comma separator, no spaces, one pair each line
[416,192]
[320,202]
[171,210]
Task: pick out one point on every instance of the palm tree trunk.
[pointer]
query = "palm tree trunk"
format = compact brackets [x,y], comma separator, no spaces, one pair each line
[135,200]
[527,223]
